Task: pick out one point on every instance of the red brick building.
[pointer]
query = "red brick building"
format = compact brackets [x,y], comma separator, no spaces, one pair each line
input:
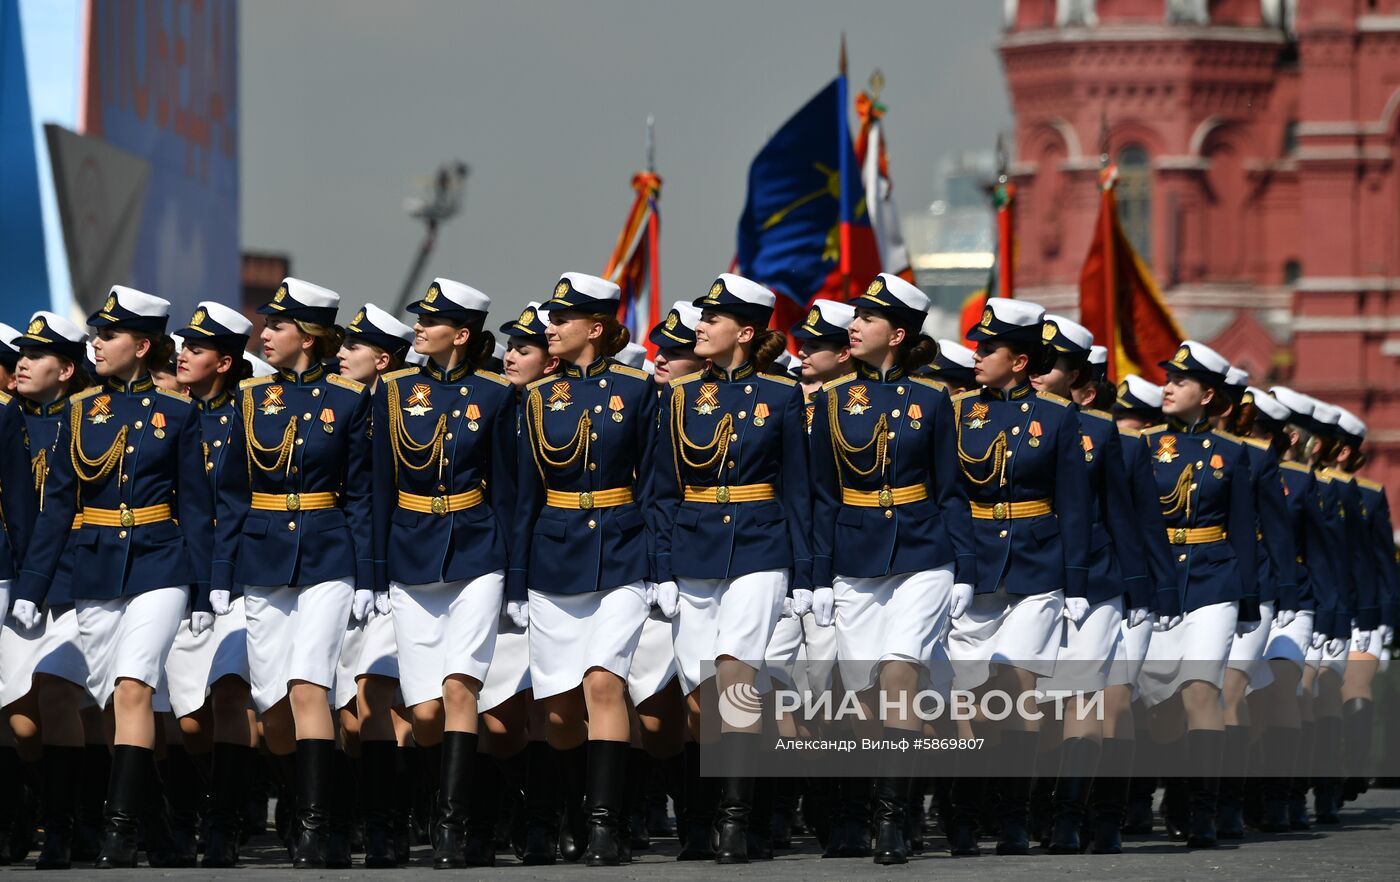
[1258,143]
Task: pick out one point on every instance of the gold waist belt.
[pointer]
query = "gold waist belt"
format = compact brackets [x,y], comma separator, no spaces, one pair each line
[587,499]
[884,498]
[724,495]
[124,517]
[1001,511]
[441,505]
[293,501]
[1194,535]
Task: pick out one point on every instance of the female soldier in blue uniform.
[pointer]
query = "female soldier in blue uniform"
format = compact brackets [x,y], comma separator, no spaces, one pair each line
[210,657]
[294,529]
[579,553]
[1207,500]
[733,504]
[135,465]
[892,530]
[444,480]
[1117,577]
[1022,462]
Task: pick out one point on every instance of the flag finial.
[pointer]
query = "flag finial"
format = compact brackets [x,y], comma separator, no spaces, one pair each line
[843,54]
[651,143]
[1103,138]
[1003,160]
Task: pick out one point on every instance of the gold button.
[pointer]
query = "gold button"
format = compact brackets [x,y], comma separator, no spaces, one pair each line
[299,442]
[733,436]
[748,389]
[456,413]
[462,390]
[1200,464]
[592,436]
[592,524]
[130,449]
[597,408]
[291,525]
[602,384]
[899,390]
[1205,443]
[895,413]
[223,420]
[890,435]
[294,470]
[121,534]
[442,487]
[449,436]
[593,467]
[126,478]
[1025,407]
[208,466]
[1008,454]
[1002,534]
[742,414]
[1193,485]
[726,519]
[218,443]
[888,514]
[121,507]
[306,416]
[138,424]
[1181,557]
[731,463]
[1015,430]
[315,393]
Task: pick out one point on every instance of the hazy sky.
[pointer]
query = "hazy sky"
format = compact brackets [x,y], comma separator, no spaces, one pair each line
[346,104]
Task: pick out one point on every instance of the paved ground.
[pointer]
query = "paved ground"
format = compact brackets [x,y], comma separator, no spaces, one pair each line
[1366,846]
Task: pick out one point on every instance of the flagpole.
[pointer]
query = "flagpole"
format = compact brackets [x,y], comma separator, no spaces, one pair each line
[1005,196]
[843,148]
[653,230]
[1107,211]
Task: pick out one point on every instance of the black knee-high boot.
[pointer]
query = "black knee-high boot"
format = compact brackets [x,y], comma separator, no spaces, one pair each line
[1229,815]
[457,760]
[515,772]
[573,826]
[1358,716]
[229,780]
[1079,759]
[698,815]
[284,774]
[343,810]
[92,792]
[606,789]
[760,836]
[61,768]
[185,789]
[1205,752]
[1327,769]
[483,809]
[914,815]
[315,790]
[425,796]
[1108,798]
[1279,752]
[1042,805]
[1302,778]
[736,803]
[636,837]
[378,760]
[128,791]
[11,795]
[964,808]
[541,804]
[405,773]
[1013,803]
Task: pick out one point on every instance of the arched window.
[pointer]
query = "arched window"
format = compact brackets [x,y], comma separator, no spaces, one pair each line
[1135,199]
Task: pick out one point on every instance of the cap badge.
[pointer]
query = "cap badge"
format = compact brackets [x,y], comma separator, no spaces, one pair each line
[36,326]
[716,289]
[1048,332]
[987,317]
[527,317]
[560,290]
[281,295]
[355,323]
[199,316]
[111,303]
[672,320]
[875,287]
[433,293]
[814,316]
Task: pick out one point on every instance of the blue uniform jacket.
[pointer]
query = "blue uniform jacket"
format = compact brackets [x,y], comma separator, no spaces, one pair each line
[217,418]
[1161,595]
[1365,585]
[18,505]
[1308,517]
[1334,598]
[588,428]
[440,433]
[1116,565]
[918,449]
[1277,560]
[44,424]
[1203,480]
[723,429]
[137,446]
[1023,447]
[1375,509]
[312,436]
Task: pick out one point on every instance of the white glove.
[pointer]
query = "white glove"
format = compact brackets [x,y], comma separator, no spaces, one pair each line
[668,598]
[201,622]
[801,601]
[787,609]
[824,606]
[1335,647]
[219,602]
[960,601]
[1166,623]
[26,614]
[1284,617]
[359,606]
[1242,627]
[381,603]
[1362,641]
[1318,638]
[1137,615]
[1076,609]
[518,611]
[1384,634]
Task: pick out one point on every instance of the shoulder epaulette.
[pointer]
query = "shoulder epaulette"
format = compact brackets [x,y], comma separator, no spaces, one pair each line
[1051,396]
[832,384]
[552,378]
[1152,430]
[1256,442]
[86,393]
[4,398]
[1097,414]
[1370,484]
[401,372]
[254,381]
[1221,433]
[1131,433]
[930,382]
[627,371]
[968,394]
[346,382]
[1295,466]
[171,393]
[780,378]
[493,377]
[681,381]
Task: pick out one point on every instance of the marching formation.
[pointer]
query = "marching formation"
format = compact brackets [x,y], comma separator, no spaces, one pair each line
[425,590]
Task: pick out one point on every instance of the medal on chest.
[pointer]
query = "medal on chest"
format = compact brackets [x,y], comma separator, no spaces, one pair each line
[707,399]
[857,400]
[1088,448]
[560,396]
[419,402]
[272,401]
[760,413]
[101,410]
[977,415]
[615,405]
[916,413]
[1166,449]
[158,424]
[473,414]
[1035,431]
[1217,462]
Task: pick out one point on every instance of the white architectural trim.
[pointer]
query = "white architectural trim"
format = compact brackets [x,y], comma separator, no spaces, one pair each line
[1198,137]
[1377,24]
[1387,121]
[1181,163]
[1143,34]
[1347,284]
[1350,324]
[1339,128]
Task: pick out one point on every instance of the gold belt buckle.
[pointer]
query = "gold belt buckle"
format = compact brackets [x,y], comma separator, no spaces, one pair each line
[293,502]
[585,500]
[128,518]
[722,495]
[886,498]
[1179,536]
[439,505]
[999,511]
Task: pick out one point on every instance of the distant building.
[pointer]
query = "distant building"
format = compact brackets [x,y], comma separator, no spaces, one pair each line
[952,242]
[1258,144]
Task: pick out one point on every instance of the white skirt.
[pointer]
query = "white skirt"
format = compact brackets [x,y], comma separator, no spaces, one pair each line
[1017,630]
[197,663]
[784,653]
[1337,664]
[294,633]
[444,629]
[130,637]
[1087,650]
[818,654]
[573,633]
[654,662]
[719,617]
[887,618]
[1129,653]
[1196,649]
[1294,642]
[368,650]
[509,674]
[1247,653]
[51,648]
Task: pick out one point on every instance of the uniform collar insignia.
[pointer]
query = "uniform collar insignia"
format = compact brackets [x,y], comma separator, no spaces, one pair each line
[1016,393]
[443,375]
[742,371]
[593,369]
[870,372]
[316,372]
[1199,427]
[33,408]
[215,403]
[143,383]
